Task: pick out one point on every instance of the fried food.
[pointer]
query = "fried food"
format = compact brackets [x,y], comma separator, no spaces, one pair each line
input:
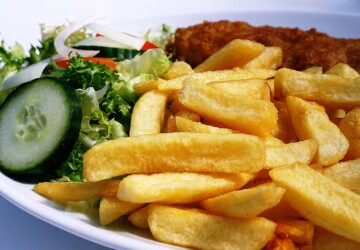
[139,218]
[310,121]
[253,154]
[196,229]
[148,114]
[174,152]
[346,173]
[77,191]
[301,49]
[350,127]
[325,240]
[326,89]
[112,208]
[236,53]
[318,198]
[245,203]
[174,188]
[246,114]
[286,154]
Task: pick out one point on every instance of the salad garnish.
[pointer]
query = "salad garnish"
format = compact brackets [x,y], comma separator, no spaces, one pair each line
[104,85]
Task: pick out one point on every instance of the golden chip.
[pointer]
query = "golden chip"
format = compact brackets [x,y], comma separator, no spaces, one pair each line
[320,200]
[174,152]
[196,229]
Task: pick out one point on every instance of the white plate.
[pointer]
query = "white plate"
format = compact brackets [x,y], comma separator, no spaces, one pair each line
[121,234]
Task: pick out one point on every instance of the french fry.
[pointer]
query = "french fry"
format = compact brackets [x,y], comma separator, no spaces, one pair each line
[76,191]
[176,106]
[272,141]
[310,121]
[335,115]
[328,90]
[350,127]
[169,124]
[148,114]
[139,218]
[174,188]
[300,232]
[285,130]
[196,229]
[317,198]
[345,173]
[234,54]
[188,115]
[318,167]
[213,76]
[145,86]
[240,113]
[281,243]
[270,58]
[174,152]
[244,203]
[178,69]
[343,70]
[271,84]
[314,70]
[186,125]
[282,210]
[255,88]
[286,154]
[325,240]
[112,208]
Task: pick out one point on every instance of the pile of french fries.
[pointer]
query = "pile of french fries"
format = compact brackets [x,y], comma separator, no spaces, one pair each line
[235,154]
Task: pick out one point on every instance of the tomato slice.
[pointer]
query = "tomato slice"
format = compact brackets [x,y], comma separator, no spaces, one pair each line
[102,60]
[148,45]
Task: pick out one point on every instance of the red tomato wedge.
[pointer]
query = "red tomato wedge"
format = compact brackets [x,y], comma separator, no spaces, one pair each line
[102,60]
[148,45]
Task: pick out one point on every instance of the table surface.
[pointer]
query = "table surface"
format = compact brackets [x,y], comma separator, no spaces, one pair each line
[20,230]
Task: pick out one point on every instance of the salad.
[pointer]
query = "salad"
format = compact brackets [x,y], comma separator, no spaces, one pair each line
[69,93]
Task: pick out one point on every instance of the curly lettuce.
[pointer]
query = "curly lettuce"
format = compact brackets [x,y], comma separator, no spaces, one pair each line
[107,99]
[11,61]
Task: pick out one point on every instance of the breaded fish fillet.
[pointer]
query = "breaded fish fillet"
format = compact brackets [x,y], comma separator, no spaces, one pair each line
[302,49]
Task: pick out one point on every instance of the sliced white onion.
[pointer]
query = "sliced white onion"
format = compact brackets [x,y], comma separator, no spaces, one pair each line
[60,39]
[102,41]
[101,92]
[129,40]
[29,73]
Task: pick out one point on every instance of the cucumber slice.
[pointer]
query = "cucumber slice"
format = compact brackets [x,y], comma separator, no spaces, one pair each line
[39,124]
[119,54]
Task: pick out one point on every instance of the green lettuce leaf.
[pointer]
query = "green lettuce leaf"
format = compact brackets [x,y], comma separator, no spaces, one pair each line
[11,61]
[149,65]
